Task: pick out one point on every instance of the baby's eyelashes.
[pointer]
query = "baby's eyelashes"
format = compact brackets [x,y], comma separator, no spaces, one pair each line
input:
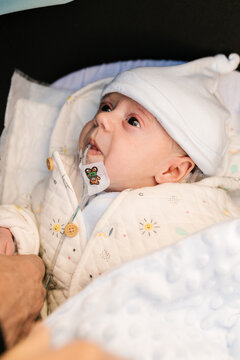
[133,121]
[105,107]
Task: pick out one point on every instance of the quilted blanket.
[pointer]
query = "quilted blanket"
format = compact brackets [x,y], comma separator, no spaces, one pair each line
[179,303]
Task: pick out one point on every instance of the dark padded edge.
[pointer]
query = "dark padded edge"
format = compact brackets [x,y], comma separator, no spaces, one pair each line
[48,43]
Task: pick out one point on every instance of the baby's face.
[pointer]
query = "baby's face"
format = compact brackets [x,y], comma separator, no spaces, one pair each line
[129,140]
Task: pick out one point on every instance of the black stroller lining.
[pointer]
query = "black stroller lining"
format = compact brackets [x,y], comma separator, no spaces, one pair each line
[47,43]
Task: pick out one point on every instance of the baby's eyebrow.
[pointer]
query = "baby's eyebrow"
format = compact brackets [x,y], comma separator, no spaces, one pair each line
[104,97]
[145,113]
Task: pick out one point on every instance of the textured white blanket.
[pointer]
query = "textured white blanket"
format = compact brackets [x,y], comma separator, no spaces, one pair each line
[181,303]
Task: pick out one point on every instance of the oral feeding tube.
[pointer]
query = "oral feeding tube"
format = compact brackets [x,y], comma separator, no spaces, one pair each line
[95,180]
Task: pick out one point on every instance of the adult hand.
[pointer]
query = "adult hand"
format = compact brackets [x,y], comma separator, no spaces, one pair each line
[37,347]
[22,294]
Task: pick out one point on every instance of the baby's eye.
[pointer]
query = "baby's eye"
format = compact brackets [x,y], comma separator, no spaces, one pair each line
[105,108]
[133,121]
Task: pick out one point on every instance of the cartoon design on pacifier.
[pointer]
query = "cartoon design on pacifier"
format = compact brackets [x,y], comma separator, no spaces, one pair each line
[92,175]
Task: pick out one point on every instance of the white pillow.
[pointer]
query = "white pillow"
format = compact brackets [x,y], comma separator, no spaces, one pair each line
[30,116]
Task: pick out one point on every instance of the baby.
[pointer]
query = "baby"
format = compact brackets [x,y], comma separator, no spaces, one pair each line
[152,126]
[117,135]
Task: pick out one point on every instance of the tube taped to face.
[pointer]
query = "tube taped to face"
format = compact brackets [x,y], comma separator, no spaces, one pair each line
[94,175]
[95,180]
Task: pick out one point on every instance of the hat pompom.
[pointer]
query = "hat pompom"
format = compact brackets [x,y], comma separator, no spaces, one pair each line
[224,65]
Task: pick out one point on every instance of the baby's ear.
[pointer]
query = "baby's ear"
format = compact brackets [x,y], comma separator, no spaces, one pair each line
[176,170]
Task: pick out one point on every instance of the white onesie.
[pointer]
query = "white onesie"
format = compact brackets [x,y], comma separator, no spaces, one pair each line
[95,208]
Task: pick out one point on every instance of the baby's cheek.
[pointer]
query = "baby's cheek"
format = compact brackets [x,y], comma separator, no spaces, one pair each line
[110,171]
[84,134]
[117,176]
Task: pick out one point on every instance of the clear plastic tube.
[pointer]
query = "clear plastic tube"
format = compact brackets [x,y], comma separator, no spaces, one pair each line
[84,198]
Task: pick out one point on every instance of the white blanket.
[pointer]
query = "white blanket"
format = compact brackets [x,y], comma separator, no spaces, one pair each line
[181,303]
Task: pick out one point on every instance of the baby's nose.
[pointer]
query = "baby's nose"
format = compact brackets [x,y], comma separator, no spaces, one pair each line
[104,120]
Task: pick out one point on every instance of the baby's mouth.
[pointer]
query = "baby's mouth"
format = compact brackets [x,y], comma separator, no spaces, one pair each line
[94,150]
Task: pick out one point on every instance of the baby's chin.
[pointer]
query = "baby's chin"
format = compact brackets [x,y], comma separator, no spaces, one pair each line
[114,187]
[94,158]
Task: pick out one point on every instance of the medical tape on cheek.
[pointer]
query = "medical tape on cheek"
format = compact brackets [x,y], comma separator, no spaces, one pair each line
[94,176]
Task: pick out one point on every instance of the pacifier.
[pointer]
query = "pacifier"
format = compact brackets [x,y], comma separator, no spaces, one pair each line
[94,175]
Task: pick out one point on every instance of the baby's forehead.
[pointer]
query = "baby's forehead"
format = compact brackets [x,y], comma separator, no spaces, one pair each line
[155,125]
[131,103]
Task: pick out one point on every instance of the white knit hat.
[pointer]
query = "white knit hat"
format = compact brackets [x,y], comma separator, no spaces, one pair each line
[184,100]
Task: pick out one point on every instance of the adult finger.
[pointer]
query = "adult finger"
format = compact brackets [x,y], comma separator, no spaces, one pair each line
[79,350]
[2,247]
[35,261]
[35,345]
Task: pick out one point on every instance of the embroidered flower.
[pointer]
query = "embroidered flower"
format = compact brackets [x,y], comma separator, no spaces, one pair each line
[56,228]
[148,227]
